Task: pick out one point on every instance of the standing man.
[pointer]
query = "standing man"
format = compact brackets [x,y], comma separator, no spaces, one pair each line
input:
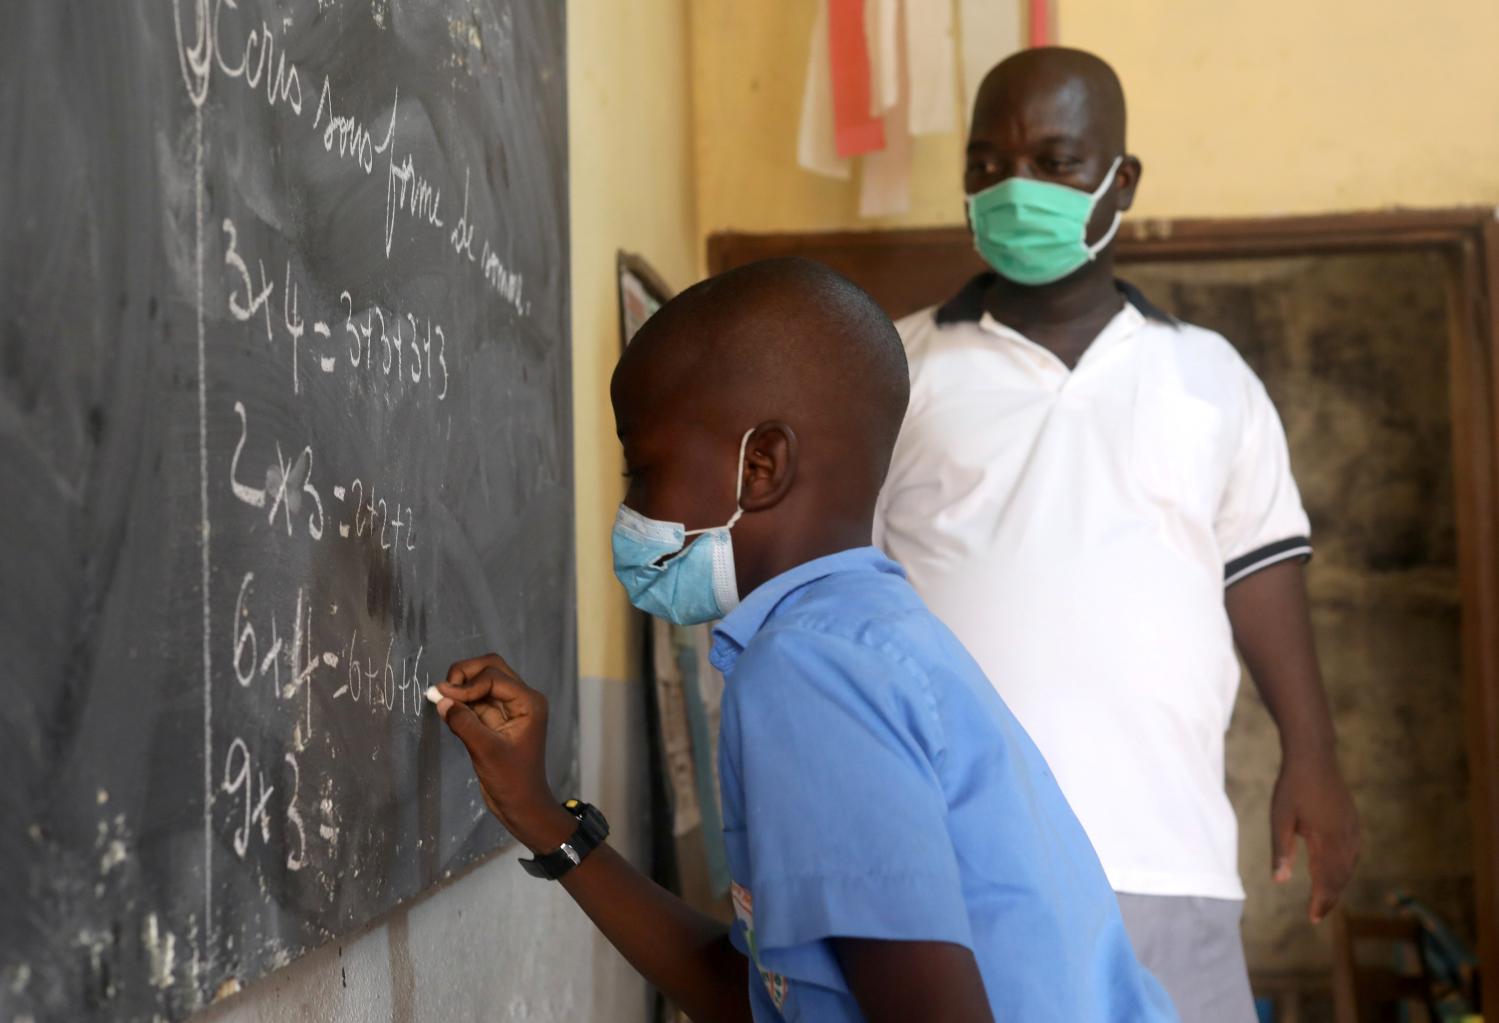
[1098,500]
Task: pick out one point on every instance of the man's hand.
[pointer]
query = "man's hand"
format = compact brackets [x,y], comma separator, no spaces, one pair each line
[1273,628]
[1312,800]
[503,723]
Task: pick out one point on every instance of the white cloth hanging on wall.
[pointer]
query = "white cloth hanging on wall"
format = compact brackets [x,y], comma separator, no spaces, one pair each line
[989,31]
[816,150]
[885,176]
[914,83]
[882,27]
[932,78]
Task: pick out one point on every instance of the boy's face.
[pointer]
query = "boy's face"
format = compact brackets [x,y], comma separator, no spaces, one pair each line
[679,467]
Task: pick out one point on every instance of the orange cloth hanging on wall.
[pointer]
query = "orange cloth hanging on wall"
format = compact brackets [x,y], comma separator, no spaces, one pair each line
[1043,31]
[855,129]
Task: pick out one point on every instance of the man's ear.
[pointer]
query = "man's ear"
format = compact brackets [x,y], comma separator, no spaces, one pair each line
[1129,180]
[770,463]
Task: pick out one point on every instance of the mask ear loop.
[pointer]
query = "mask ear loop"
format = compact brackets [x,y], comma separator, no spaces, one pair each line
[738,489]
[1108,236]
[739,479]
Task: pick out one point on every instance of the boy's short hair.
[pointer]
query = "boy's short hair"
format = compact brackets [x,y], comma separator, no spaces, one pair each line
[786,333]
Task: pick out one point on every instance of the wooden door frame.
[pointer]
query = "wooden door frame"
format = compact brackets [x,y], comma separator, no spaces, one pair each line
[1468,239]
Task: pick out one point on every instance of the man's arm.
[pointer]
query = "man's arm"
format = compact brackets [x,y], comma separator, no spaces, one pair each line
[684,953]
[897,981]
[1273,629]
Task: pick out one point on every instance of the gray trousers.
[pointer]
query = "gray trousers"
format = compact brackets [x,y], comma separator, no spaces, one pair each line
[1193,947]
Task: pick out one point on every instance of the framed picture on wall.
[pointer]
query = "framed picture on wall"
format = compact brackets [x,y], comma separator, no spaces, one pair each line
[686,692]
[641,293]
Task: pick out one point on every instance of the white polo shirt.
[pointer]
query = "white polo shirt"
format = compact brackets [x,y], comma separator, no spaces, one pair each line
[1076,530]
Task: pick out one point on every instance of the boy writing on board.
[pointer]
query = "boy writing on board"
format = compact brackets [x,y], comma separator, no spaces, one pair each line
[867,765]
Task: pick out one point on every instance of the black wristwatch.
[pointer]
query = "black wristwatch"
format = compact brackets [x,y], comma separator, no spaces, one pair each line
[592,830]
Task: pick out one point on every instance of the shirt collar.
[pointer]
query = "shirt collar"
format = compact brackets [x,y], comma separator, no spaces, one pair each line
[967,306]
[734,633]
[1123,325]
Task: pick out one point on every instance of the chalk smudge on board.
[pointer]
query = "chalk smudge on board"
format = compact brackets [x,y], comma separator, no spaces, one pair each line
[161,946]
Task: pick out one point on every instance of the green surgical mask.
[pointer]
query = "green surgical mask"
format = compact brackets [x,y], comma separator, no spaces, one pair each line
[1036,232]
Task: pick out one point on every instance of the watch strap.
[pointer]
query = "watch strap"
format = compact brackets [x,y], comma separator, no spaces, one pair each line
[590,834]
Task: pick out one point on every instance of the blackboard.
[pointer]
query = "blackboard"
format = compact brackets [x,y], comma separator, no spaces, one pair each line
[285,428]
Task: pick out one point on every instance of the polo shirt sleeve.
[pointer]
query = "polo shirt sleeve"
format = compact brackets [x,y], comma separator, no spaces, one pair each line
[1260,520]
[844,811]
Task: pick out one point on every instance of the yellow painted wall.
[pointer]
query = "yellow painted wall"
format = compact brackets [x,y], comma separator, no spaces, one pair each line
[630,160]
[683,115]
[1239,107]
[1282,106]
[749,62]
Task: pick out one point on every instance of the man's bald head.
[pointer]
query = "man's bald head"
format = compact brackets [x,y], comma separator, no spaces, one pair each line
[1071,86]
[781,339]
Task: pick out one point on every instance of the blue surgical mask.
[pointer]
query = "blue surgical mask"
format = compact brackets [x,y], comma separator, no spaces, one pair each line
[694,586]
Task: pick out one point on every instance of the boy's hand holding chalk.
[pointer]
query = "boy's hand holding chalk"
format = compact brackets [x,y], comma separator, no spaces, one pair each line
[503,723]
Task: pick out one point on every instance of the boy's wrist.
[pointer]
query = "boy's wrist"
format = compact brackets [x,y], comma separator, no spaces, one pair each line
[542,826]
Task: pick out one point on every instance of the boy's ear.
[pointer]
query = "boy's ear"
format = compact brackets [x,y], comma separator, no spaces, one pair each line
[770,462]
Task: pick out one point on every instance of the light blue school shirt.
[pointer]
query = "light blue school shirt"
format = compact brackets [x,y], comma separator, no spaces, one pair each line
[875,786]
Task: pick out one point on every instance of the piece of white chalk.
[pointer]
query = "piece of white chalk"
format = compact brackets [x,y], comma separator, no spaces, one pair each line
[433,694]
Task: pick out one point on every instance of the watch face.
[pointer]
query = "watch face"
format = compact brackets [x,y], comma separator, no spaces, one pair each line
[572,853]
[597,827]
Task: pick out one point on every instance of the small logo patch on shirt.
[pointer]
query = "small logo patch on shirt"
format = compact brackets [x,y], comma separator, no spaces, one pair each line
[744,911]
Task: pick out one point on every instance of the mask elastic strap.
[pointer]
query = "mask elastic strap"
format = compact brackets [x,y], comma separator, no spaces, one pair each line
[1097,194]
[1108,236]
[738,489]
[1108,179]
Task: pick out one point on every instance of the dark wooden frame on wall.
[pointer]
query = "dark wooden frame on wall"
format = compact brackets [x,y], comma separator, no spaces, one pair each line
[655,285]
[908,269]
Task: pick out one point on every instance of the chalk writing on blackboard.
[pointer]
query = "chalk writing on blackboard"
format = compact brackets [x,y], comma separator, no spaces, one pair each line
[291,387]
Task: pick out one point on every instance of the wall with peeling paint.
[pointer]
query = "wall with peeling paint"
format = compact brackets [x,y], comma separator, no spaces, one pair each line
[1352,348]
